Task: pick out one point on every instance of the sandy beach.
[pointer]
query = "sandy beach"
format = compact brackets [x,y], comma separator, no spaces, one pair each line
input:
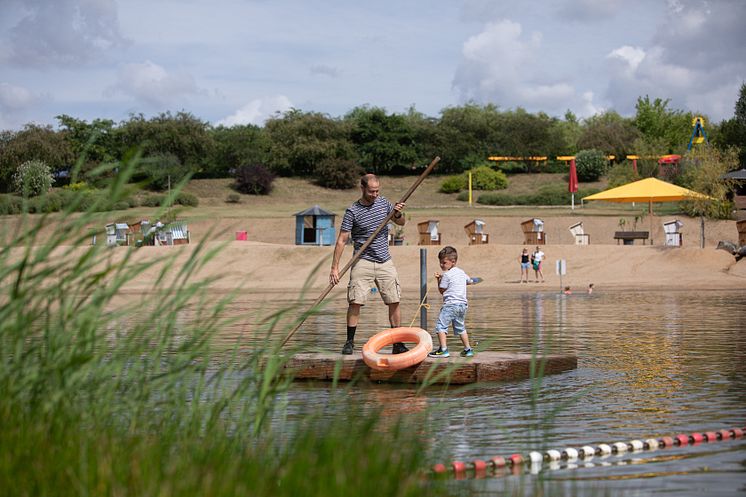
[270,260]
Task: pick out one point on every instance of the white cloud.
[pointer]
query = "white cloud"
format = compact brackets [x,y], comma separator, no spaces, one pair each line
[62,32]
[257,111]
[695,59]
[14,98]
[152,84]
[631,55]
[504,66]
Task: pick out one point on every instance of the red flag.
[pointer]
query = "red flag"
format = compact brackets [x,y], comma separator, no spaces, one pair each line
[573,186]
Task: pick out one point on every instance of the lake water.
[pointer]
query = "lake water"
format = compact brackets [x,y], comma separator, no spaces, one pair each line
[650,364]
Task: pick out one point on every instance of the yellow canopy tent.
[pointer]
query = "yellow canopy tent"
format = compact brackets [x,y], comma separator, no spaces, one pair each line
[647,190]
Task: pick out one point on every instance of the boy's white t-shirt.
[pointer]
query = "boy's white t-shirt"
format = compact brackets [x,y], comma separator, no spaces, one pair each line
[454,281]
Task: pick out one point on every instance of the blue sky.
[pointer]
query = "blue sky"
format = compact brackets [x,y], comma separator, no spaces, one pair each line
[240,61]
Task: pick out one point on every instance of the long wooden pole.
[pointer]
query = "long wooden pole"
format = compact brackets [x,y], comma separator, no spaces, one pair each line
[365,245]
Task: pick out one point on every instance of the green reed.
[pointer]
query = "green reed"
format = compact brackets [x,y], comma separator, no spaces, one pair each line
[106,392]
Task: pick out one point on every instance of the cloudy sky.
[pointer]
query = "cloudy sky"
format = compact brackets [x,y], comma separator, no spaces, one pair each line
[240,61]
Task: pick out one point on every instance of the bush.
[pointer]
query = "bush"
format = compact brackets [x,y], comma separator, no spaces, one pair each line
[554,167]
[153,200]
[485,178]
[621,174]
[511,167]
[254,179]
[233,198]
[453,184]
[33,178]
[555,194]
[187,199]
[591,164]
[77,187]
[10,205]
[339,174]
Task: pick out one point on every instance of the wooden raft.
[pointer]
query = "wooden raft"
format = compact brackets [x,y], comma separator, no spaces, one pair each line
[483,367]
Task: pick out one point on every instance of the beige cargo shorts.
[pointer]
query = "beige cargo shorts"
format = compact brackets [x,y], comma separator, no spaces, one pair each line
[366,274]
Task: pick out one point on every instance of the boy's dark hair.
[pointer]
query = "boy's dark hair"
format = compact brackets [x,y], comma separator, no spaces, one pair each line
[448,253]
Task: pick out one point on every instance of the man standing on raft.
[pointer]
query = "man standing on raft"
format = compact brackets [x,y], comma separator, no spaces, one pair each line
[375,265]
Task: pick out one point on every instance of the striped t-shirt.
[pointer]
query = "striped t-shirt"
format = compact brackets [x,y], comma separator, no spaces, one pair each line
[362,220]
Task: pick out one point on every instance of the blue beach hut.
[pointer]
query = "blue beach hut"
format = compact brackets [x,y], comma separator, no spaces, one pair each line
[314,226]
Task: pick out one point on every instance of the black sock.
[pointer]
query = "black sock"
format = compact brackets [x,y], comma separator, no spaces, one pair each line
[351,333]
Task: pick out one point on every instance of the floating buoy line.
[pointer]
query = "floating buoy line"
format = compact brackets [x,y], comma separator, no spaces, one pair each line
[480,468]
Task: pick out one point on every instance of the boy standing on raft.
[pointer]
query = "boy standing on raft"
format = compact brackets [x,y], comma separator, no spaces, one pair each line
[452,285]
[375,266]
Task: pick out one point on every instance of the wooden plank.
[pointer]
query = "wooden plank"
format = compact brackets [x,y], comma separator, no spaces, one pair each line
[455,370]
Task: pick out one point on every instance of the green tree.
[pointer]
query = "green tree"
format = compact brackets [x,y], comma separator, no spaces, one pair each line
[240,144]
[590,164]
[384,142]
[467,131]
[95,140]
[425,135]
[732,132]
[32,142]
[300,140]
[610,133]
[703,168]
[655,121]
[182,135]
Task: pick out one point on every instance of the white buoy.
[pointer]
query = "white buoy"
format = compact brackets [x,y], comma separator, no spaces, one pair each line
[587,452]
[620,447]
[637,445]
[605,449]
[652,444]
[536,457]
[570,453]
[554,455]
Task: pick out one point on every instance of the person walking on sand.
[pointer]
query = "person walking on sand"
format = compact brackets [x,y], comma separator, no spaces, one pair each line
[524,265]
[375,266]
[590,288]
[536,259]
[452,284]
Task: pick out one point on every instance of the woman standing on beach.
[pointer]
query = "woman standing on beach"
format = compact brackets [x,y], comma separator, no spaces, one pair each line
[536,258]
[524,265]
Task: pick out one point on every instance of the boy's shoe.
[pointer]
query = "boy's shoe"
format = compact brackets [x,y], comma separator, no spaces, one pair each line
[348,347]
[399,348]
[467,353]
[439,353]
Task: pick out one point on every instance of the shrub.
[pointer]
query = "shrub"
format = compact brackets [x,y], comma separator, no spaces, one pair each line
[10,205]
[153,200]
[453,184]
[77,187]
[485,178]
[187,199]
[591,164]
[233,198]
[33,178]
[554,167]
[339,174]
[621,174]
[511,167]
[555,194]
[254,179]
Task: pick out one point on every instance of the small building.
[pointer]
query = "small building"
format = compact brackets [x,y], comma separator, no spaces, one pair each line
[533,232]
[314,226]
[475,232]
[116,234]
[673,233]
[428,231]
[581,237]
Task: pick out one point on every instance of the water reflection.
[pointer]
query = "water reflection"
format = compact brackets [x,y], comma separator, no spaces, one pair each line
[650,364]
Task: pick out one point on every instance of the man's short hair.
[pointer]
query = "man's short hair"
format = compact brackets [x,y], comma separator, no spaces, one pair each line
[448,253]
[368,178]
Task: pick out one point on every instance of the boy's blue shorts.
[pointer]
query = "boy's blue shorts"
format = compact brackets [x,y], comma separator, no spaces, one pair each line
[452,314]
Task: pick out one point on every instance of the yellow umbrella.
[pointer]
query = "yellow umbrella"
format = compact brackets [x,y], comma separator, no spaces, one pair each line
[647,190]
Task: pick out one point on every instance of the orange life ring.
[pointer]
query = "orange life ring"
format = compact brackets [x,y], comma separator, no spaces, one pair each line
[394,362]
